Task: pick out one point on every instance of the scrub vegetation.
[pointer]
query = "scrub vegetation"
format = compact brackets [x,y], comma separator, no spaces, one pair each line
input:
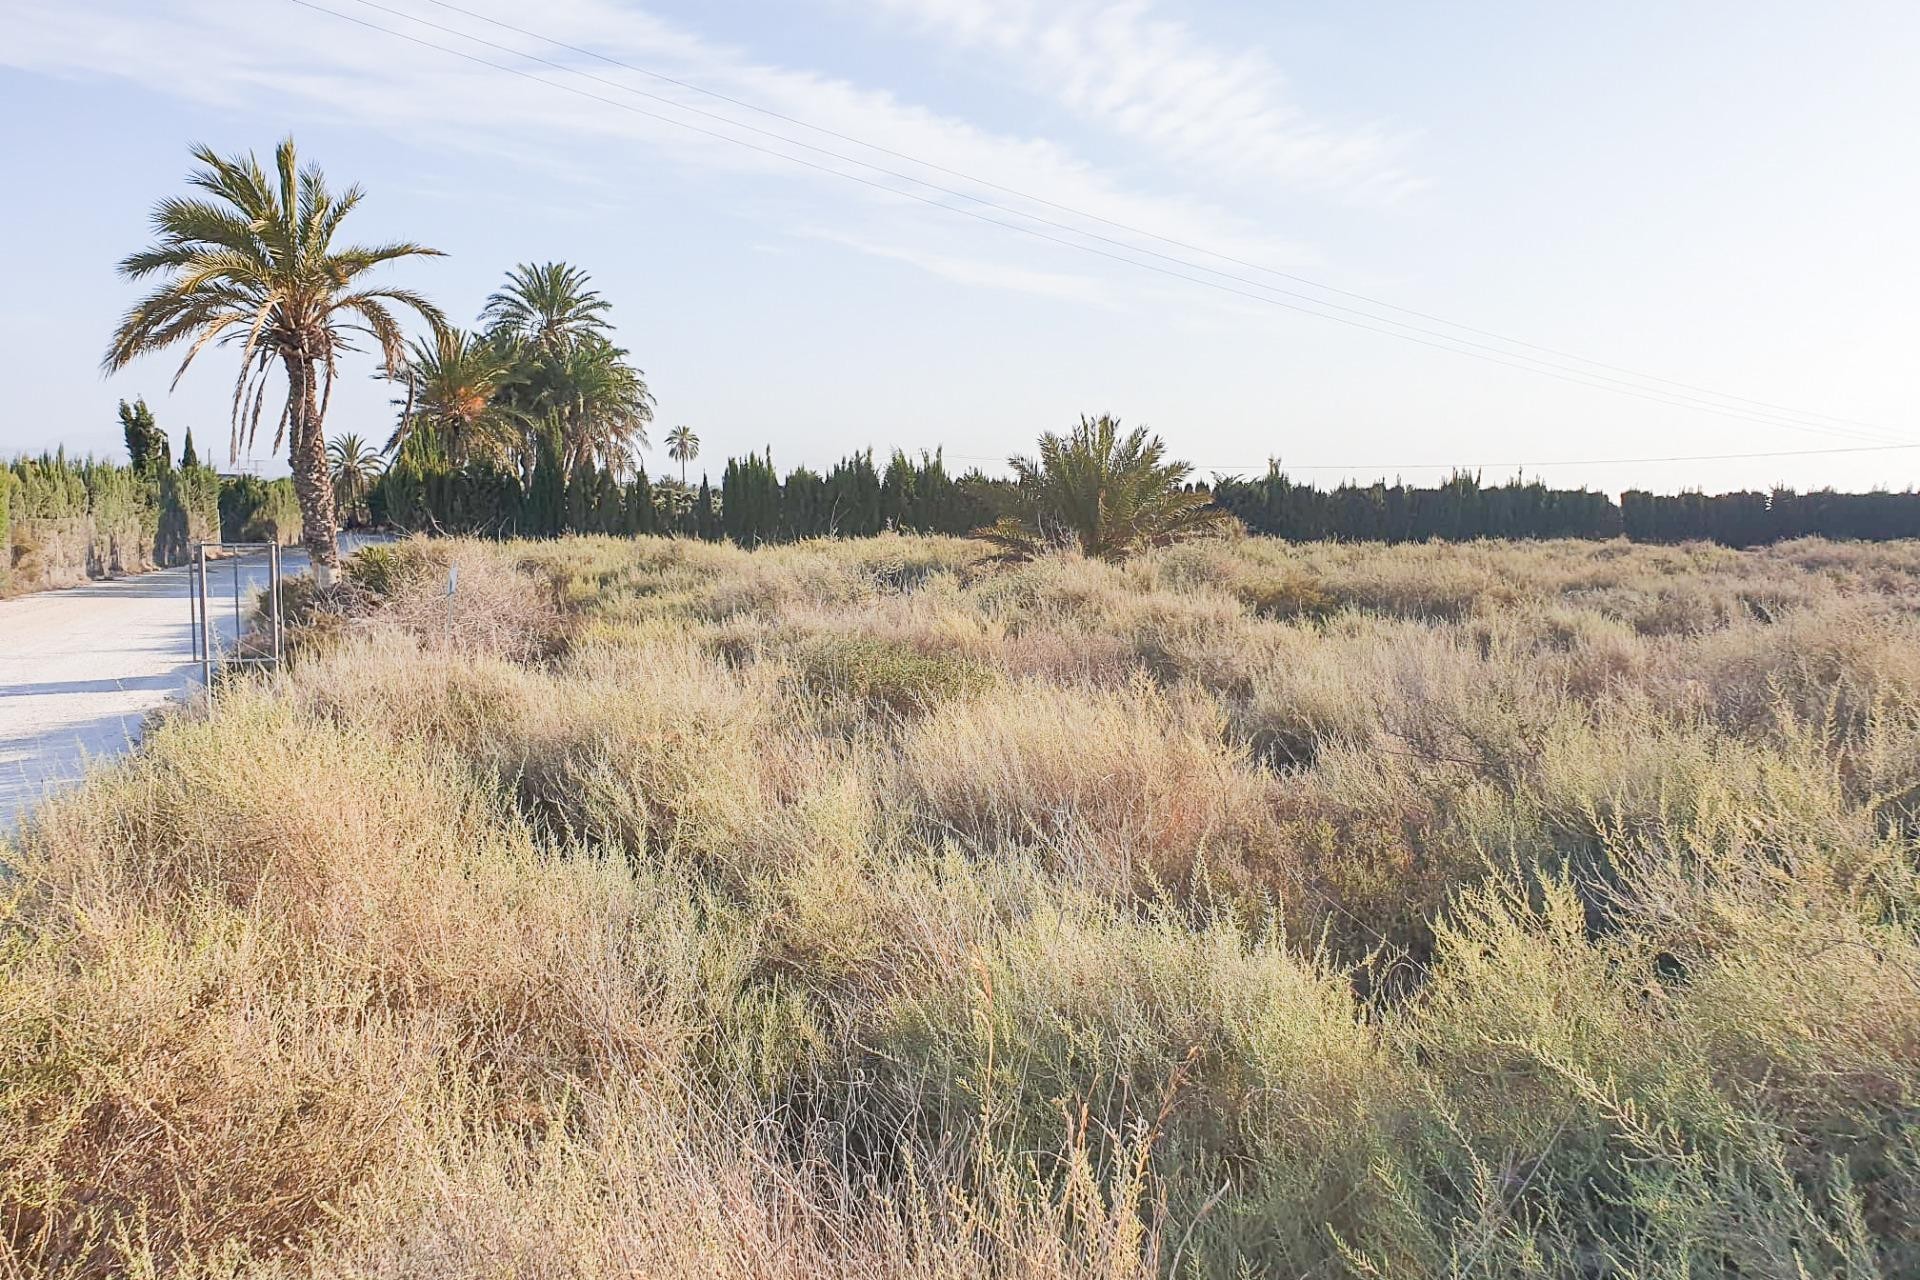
[877,908]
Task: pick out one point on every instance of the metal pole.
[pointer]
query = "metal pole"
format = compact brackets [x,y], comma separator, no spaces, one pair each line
[206,633]
[238,629]
[193,610]
[273,590]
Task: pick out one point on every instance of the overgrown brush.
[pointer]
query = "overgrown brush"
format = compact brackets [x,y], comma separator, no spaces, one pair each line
[860,909]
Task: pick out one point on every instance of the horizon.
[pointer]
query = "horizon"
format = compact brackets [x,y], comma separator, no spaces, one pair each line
[1665,204]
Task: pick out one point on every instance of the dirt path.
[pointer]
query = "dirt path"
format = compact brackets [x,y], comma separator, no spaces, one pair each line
[81,669]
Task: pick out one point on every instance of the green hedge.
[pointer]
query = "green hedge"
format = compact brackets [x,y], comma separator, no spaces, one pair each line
[256,510]
[64,521]
[189,512]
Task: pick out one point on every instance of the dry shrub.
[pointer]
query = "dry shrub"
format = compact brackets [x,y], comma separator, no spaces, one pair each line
[228,985]
[1535,909]
[1139,778]
[630,1189]
[465,597]
[884,677]
[1250,1058]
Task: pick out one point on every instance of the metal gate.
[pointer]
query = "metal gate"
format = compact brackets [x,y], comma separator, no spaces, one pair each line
[206,636]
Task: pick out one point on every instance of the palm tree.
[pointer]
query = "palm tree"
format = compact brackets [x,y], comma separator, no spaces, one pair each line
[683,447]
[599,401]
[454,401]
[252,263]
[548,308]
[355,466]
[1112,495]
[571,375]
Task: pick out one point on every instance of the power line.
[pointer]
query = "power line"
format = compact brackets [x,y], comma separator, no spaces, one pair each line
[1443,345]
[1488,466]
[1581,376]
[1064,208]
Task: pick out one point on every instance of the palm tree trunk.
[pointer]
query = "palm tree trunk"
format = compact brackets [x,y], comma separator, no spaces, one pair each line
[307,452]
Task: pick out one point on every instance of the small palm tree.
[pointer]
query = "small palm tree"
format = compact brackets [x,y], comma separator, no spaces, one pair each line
[355,466]
[548,308]
[1111,495]
[252,263]
[453,402]
[683,447]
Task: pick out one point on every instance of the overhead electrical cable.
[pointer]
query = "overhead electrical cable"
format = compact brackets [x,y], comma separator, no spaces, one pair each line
[1444,343]
[1082,213]
[1382,467]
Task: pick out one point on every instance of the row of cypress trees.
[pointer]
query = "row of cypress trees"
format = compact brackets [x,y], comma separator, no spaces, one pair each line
[1463,508]
[855,499]
[1459,509]
[488,500]
[753,505]
[1754,519]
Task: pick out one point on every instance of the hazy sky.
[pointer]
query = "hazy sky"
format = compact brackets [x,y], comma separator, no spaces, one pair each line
[1725,195]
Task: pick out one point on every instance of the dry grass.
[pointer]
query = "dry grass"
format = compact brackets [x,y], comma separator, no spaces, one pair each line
[857,909]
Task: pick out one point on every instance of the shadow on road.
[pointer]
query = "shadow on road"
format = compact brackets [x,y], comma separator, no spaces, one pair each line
[165,681]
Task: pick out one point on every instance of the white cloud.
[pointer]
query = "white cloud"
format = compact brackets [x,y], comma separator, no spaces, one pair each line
[596,133]
[1154,80]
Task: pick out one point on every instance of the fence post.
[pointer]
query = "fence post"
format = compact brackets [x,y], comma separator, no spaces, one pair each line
[193,605]
[206,634]
[273,590]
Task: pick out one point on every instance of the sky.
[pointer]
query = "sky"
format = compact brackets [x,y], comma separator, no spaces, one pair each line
[1700,216]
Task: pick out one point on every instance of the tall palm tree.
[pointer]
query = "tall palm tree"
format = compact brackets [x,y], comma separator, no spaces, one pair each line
[1110,494]
[547,307]
[252,262]
[683,447]
[354,466]
[454,396]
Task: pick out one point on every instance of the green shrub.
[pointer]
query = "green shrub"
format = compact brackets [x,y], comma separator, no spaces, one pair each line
[885,675]
[256,510]
[189,513]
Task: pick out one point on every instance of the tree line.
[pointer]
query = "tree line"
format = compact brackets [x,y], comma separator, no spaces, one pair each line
[1462,508]
[530,422]
[753,504]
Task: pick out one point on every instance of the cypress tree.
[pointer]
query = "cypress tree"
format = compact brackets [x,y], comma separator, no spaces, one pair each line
[640,516]
[547,492]
[147,445]
[896,493]
[705,526]
[750,506]
[582,483]
[609,503]
[803,508]
[853,497]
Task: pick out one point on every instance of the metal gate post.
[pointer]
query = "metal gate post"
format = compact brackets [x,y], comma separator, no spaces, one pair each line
[273,590]
[206,633]
[193,606]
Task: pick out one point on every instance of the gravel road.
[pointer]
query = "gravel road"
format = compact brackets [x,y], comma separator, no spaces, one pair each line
[81,669]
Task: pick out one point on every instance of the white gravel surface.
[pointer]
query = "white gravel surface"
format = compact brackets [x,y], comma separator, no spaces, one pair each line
[81,669]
